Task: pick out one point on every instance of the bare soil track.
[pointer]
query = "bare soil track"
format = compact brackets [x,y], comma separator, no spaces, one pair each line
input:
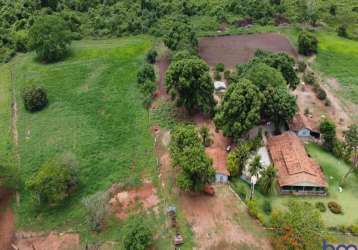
[232,50]
[7,225]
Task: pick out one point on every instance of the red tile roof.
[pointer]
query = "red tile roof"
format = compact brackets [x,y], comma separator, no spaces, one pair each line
[294,166]
[300,121]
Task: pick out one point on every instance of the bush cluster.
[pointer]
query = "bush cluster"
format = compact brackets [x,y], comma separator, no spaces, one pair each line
[321,207]
[334,207]
[307,43]
[35,98]
[54,182]
[267,207]
[146,73]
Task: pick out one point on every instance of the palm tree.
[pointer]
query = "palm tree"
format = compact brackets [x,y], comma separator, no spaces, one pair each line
[255,169]
[268,179]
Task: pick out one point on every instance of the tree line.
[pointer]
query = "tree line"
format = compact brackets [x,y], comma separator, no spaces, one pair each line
[103,18]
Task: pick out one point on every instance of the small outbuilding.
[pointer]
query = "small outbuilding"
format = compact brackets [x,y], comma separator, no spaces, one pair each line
[304,126]
[219,157]
[297,173]
[220,86]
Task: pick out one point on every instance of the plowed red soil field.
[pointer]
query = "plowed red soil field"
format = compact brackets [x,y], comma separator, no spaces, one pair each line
[232,50]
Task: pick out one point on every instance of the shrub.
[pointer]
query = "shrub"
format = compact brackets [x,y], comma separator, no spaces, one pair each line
[137,235]
[241,192]
[96,208]
[307,43]
[53,182]
[205,136]
[302,66]
[354,229]
[152,56]
[334,207]
[35,98]
[220,67]
[309,78]
[321,94]
[342,30]
[307,111]
[227,74]
[252,209]
[146,73]
[217,76]
[266,207]
[327,103]
[321,207]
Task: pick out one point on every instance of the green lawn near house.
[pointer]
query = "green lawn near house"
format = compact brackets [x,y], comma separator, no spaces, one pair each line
[334,169]
[95,114]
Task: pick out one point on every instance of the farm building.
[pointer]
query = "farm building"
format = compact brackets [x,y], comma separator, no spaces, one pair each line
[219,156]
[297,172]
[304,127]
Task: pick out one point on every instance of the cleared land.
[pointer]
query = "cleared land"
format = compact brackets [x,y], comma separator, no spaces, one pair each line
[95,115]
[232,50]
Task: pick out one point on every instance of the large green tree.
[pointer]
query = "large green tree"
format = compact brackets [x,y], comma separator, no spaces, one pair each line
[181,36]
[50,37]
[240,108]
[279,106]
[187,152]
[307,43]
[328,132]
[298,228]
[351,144]
[281,62]
[189,82]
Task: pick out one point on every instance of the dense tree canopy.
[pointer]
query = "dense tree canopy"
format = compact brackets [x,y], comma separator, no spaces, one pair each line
[307,43]
[240,108]
[137,234]
[189,83]
[187,152]
[181,36]
[100,18]
[300,227]
[281,62]
[50,38]
[328,132]
[278,105]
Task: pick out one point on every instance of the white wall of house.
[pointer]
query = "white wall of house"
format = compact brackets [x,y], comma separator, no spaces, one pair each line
[221,178]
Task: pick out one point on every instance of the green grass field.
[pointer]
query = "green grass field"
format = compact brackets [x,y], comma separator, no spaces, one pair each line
[338,57]
[334,170]
[6,155]
[95,113]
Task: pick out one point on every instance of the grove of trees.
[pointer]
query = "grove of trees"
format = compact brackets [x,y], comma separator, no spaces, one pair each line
[187,153]
[190,85]
[50,37]
[240,108]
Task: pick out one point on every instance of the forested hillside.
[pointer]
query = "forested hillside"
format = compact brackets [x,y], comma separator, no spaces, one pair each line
[103,18]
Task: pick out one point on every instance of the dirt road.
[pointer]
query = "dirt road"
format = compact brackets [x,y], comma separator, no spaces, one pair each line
[7,225]
[221,221]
